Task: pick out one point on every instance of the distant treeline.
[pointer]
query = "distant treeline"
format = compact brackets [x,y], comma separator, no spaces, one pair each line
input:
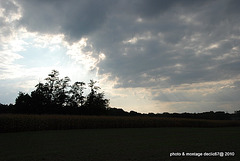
[57,96]
[219,115]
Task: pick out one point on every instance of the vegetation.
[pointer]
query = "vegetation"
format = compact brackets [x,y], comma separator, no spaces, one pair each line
[23,122]
[145,144]
[57,96]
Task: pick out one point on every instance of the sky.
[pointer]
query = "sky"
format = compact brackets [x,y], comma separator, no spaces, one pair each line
[147,55]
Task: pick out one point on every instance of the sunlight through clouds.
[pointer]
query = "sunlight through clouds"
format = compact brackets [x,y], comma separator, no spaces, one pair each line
[23,56]
[81,52]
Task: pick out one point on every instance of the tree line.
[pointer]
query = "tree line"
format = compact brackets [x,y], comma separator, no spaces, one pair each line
[58,96]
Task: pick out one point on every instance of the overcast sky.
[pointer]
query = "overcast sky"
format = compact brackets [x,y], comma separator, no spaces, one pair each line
[147,55]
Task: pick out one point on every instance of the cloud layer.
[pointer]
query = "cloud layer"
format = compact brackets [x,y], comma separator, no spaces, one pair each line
[182,51]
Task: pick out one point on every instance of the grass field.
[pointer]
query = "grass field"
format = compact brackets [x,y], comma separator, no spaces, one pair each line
[125,144]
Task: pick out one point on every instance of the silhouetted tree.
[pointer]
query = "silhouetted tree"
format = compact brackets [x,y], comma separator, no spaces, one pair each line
[236,115]
[23,103]
[58,96]
[76,91]
[6,108]
[41,95]
[134,113]
[95,103]
[116,112]
[60,92]
[58,88]
[41,98]
[52,80]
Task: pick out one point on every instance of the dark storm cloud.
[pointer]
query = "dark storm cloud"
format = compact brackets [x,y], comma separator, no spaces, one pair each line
[198,59]
[73,18]
[153,8]
[149,43]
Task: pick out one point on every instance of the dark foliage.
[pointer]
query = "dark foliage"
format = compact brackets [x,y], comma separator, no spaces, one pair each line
[219,115]
[57,96]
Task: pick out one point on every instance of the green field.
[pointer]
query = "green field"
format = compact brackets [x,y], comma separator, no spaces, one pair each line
[122,144]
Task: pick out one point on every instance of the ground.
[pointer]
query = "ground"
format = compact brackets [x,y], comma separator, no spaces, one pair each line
[123,144]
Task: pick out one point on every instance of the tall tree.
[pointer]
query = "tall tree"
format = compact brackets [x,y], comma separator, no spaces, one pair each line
[94,88]
[60,91]
[41,95]
[23,103]
[58,88]
[51,82]
[95,103]
[77,97]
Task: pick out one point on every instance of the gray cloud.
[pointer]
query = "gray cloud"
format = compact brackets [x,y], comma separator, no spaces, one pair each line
[73,18]
[149,43]
[174,47]
[6,24]
[8,7]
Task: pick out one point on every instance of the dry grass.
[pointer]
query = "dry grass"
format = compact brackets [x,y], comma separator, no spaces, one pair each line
[17,122]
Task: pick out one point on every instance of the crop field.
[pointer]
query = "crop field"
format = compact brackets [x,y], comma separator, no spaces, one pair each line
[121,144]
[17,123]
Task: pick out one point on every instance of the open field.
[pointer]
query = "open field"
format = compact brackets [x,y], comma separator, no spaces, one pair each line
[16,123]
[125,144]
